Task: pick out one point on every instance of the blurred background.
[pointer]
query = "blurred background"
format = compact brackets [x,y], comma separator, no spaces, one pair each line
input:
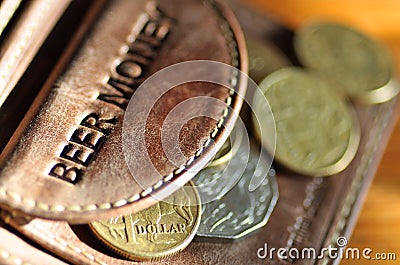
[378,224]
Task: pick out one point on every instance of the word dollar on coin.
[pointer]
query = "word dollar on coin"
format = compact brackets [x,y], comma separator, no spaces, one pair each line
[158,231]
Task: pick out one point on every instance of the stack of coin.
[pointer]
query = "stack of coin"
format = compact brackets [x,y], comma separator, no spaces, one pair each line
[317,129]
[317,135]
[169,226]
[230,210]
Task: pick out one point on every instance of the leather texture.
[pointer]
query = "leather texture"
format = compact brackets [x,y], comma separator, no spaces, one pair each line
[311,212]
[15,250]
[66,160]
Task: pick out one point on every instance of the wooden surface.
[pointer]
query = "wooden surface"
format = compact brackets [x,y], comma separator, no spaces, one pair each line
[378,226]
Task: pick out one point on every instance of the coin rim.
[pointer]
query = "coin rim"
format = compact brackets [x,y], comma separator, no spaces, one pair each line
[233,149]
[160,254]
[355,132]
[262,223]
[372,96]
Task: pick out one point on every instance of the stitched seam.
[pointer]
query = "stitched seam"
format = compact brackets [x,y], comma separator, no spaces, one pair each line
[22,44]
[356,184]
[59,241]
[64,243]
[7,256]
[234,53]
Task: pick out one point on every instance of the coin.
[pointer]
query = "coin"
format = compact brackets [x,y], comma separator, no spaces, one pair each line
[237,212]
[317,132]
[215,180]
[223,155]
[264,58]
[158,231]
[229,148]
[361,65]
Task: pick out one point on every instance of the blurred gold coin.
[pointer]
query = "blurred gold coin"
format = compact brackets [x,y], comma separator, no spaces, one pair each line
[228,149]
[359,64]
[223,156]
[158,231]
[264,58]
[317,131]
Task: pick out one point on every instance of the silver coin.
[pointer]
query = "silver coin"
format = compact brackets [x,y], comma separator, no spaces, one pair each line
[214,181]
[238,212]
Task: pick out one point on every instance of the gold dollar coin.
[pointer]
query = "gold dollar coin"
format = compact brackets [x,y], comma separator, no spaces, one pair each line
[158,231]
[359,64]
[317,131]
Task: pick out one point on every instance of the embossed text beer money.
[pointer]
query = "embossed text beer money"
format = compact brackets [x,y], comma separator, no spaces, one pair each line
[70,150]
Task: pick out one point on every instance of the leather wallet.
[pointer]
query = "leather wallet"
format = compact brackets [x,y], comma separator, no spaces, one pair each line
[81,109]
[310,212]
[15,250]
